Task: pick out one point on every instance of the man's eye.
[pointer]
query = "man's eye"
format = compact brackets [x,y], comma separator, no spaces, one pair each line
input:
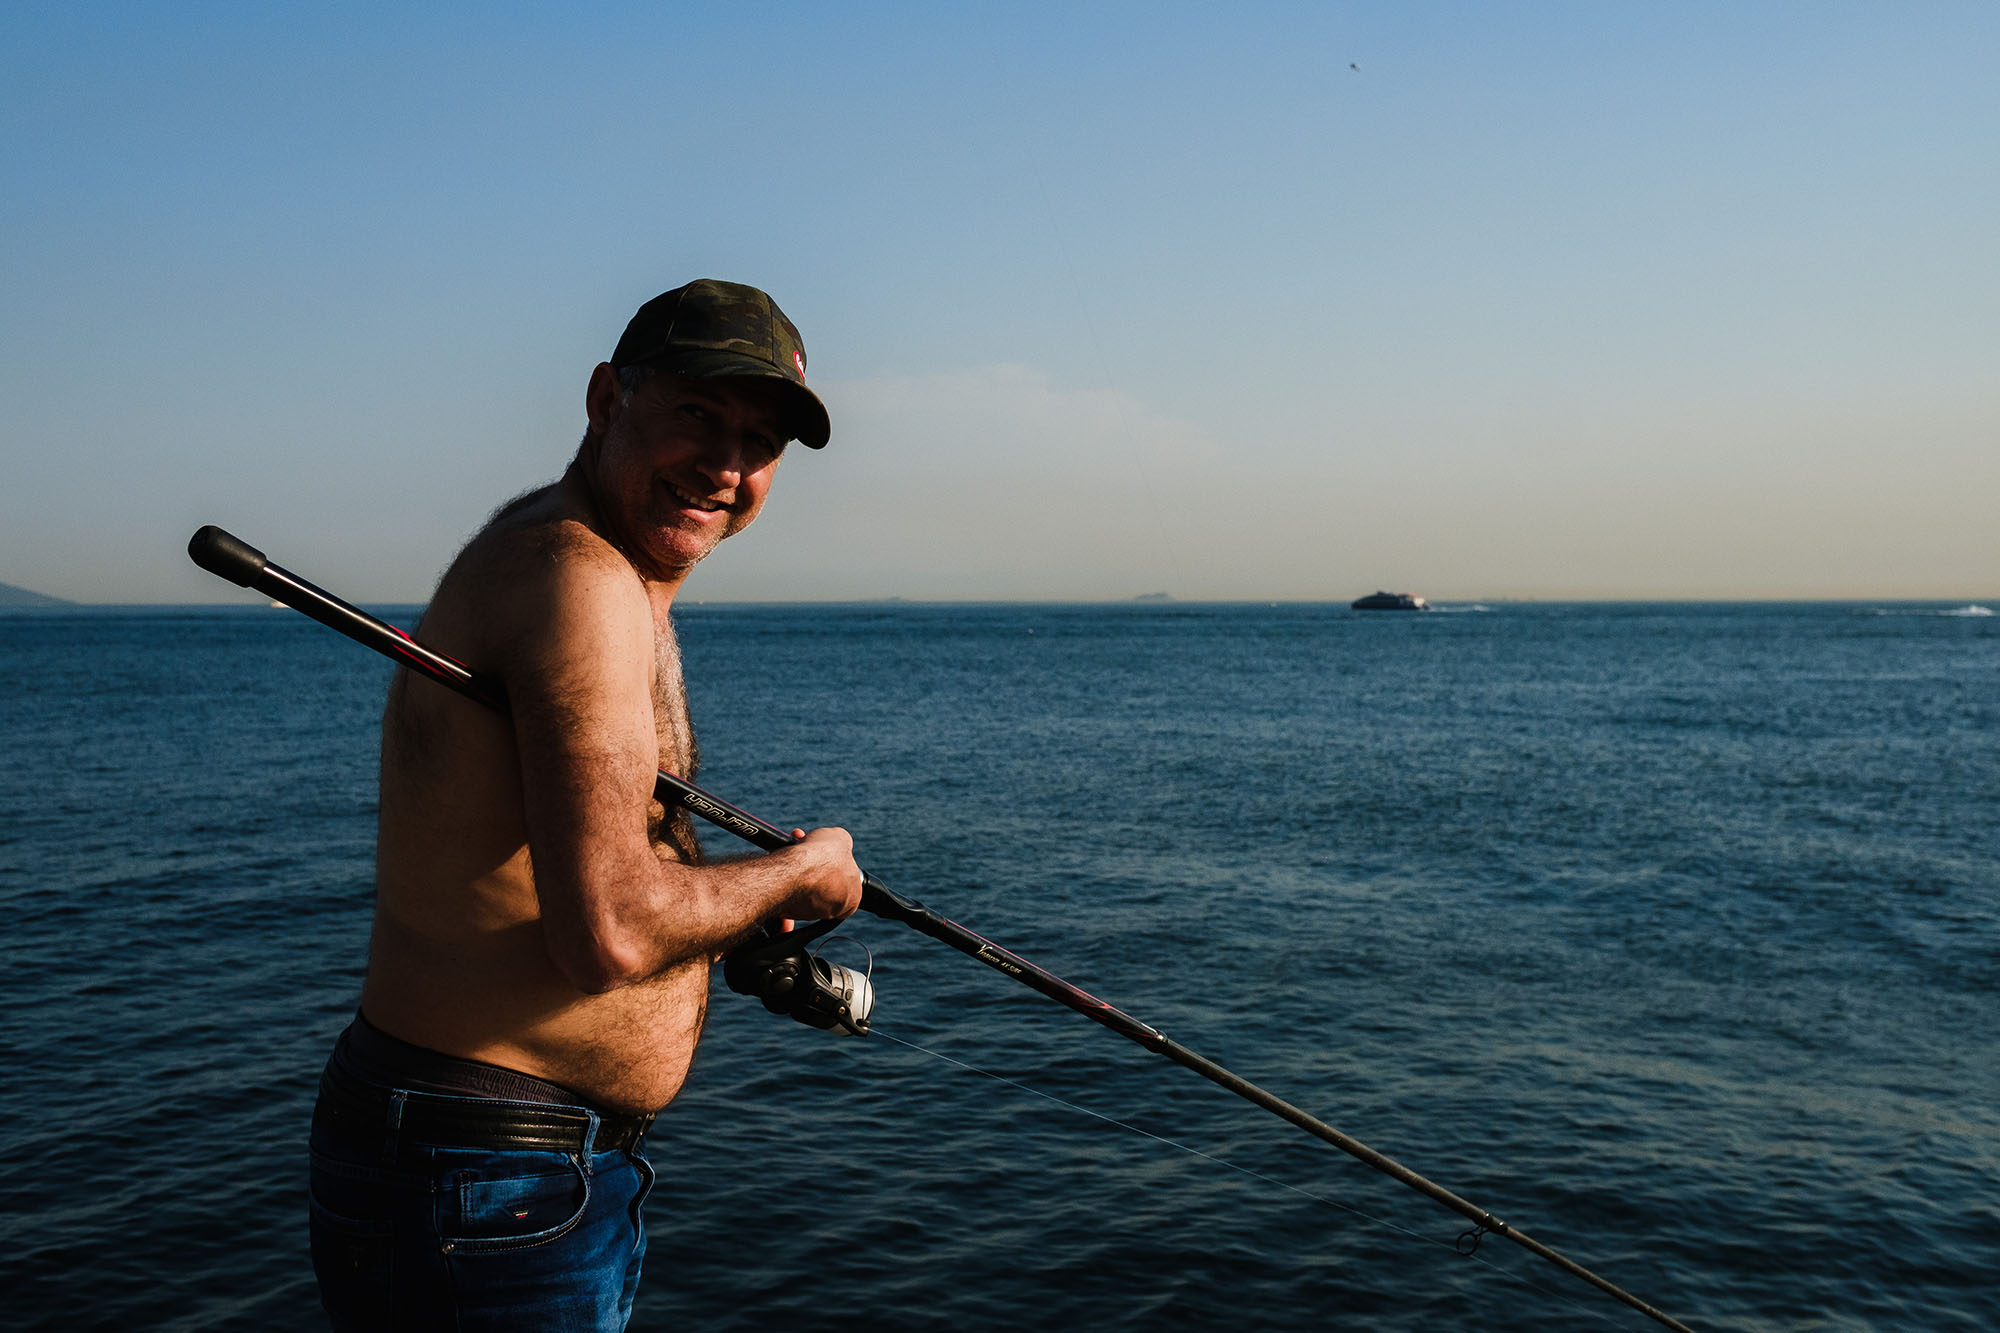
[695,410]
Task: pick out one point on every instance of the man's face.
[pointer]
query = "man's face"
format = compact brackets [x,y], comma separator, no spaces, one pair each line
[683,462]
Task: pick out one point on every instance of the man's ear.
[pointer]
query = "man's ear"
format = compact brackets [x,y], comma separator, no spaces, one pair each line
[600,400]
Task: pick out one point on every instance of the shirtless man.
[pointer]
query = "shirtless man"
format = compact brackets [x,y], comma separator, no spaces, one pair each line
[538,971]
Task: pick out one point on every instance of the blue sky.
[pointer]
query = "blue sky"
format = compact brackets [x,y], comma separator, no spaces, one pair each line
[1609,300]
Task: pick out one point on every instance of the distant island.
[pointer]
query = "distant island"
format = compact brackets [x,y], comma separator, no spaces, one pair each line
[1152,597]
[13,596]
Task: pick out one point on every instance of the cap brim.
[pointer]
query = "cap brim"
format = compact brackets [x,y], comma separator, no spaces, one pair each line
[805,414]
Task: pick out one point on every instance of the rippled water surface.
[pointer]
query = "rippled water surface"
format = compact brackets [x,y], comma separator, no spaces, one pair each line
[1667,933]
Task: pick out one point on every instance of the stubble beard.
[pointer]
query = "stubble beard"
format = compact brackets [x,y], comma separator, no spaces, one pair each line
[658,513]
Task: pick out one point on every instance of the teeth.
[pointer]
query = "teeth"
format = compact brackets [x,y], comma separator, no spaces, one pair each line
[695,501]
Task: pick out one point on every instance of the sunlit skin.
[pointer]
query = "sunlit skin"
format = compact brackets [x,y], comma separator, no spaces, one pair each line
[534,907]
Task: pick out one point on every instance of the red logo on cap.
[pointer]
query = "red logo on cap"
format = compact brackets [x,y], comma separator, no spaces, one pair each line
[800,362]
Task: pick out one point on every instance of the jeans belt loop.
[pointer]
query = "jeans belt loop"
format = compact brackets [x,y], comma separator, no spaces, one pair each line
[392,1131]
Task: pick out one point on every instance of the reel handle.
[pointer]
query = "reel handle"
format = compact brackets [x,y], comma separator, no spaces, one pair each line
[226,556]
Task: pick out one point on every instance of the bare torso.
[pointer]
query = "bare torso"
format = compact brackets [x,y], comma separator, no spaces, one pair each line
[458,960]
[533,908]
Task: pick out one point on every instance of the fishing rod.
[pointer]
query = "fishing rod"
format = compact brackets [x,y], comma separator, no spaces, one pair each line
[791,982]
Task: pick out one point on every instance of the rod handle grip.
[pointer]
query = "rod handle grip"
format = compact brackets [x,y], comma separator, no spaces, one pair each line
[226,556]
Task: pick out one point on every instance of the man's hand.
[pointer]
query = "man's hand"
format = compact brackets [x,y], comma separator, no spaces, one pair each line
[828,881]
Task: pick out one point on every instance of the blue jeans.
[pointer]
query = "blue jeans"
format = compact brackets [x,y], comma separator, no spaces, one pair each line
[415,1235]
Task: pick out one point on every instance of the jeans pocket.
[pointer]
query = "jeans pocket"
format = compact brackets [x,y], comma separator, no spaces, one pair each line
[487,1210]
[353,1240]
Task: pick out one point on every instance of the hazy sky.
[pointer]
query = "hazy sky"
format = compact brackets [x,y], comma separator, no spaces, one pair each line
[1592,299]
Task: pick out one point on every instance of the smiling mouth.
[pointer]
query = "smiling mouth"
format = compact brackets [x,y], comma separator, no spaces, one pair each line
[691,501]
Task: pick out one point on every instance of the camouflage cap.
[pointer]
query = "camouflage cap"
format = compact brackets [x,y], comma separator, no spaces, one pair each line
[713,330]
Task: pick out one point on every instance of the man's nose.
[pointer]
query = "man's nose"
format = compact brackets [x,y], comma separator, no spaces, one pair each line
[722,464]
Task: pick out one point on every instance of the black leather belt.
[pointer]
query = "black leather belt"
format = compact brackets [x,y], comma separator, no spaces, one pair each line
[350,1108]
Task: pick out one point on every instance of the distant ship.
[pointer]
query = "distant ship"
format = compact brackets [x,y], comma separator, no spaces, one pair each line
[1390,601]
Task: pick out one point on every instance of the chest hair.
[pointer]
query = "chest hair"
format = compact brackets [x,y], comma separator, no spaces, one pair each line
[673,831]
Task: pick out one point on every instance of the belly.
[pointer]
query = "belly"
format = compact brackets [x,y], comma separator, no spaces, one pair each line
[494,996]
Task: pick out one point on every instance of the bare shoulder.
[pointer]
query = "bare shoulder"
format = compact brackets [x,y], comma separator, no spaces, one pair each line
[539,600]
[538,580]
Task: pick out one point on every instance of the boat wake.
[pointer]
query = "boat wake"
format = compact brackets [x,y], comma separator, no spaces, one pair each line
[1973,609]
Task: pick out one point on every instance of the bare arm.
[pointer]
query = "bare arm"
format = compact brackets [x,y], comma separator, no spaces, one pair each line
[575,647]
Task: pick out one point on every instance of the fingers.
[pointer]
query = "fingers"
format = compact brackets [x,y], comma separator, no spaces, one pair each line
[833,885]
[786,923]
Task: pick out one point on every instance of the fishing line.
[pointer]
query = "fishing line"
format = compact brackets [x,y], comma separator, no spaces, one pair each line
[1452,1246]
[1157,1138]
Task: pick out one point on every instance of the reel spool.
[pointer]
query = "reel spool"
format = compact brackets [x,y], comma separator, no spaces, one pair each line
[791,981]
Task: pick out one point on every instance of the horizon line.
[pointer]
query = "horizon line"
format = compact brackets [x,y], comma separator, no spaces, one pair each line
[1143,600]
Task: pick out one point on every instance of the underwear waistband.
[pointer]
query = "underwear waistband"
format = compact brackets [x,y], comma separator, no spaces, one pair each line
[373,1056]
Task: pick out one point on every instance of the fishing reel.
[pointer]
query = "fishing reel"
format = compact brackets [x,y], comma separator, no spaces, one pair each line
[789,980]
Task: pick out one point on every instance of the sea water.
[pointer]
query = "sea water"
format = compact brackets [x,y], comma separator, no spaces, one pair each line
[1667,933]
